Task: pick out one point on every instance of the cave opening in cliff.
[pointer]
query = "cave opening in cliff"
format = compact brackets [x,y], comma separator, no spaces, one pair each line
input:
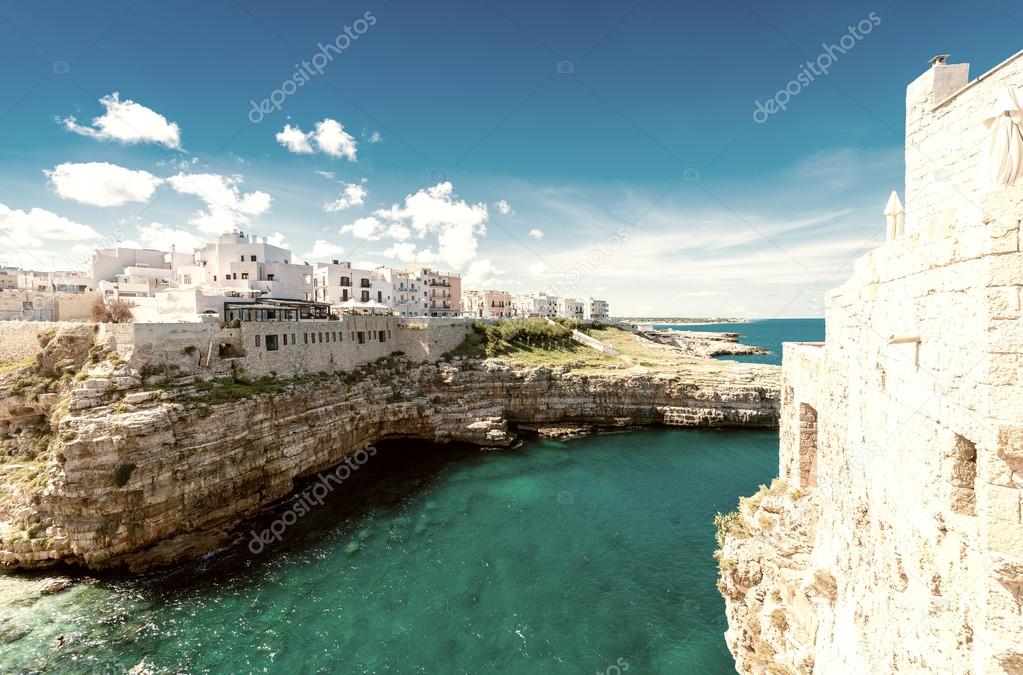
[807,445]
[964,476]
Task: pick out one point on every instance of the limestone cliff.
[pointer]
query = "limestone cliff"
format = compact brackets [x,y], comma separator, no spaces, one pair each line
[144,467]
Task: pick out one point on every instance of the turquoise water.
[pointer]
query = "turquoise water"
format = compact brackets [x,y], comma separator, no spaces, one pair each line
[766,333]
[572,556]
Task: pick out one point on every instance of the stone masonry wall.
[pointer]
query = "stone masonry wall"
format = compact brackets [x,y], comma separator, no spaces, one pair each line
[907,555]
[302,347]
[19,339]
[945,141]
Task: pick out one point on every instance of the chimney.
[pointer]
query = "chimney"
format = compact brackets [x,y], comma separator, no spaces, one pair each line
[939,82]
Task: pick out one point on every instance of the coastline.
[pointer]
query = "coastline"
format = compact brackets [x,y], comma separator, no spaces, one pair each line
[162,467]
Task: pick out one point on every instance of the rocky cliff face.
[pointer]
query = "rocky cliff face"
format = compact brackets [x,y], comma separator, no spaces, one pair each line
[144,469]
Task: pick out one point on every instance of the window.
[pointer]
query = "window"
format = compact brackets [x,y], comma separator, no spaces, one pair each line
[245,275]
[364,283]
[257,341]
[383,336]
[269,277]
[214,277]
[285,340]
[293,336]
[271,343]
[243,258]
[333,336]
[186,279]
[344,294]
[365,296]
[380,296]
[305,338]
[964,476]
[807,446]
[346,281]
[252,258]
[361,337]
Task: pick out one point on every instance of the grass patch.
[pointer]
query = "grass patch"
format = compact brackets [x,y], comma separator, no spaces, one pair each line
[226,389]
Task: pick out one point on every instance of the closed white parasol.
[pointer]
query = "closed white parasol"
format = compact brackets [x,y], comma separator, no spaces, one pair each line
[1003,163]
[895,215]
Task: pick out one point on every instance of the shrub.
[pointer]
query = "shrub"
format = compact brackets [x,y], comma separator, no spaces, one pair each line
[113,311]
[532,332]
[729,525]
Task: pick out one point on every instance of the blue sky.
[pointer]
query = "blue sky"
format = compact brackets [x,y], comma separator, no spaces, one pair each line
[633,171]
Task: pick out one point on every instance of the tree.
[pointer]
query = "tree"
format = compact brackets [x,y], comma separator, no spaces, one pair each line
[113,311]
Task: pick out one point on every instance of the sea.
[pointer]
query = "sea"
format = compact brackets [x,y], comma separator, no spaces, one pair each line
[590,554]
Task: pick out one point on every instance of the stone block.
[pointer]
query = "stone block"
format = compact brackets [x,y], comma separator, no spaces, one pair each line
[1003,302]
[1001,504]
[1005,538]
[1005,270]
[1010,441]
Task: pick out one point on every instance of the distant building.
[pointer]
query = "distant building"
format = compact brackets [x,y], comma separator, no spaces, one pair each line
[596,310]
[338,282]
[536,304]
[488,304]
[443,292]
[571,308]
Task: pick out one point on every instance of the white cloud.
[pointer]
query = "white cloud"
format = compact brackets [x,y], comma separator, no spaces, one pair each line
[332,139]
[374,137]
[227,206]
[322,250]
[399,233]
[328,136]
[326,174]
[277,239]
[162,237]
[436,210]
[294,140]
[354,195]
[536,233]
[101,183]
[407,252]
[128,122]
[364,228]
[31,229]
[539,268]
[481,274]
[503,207]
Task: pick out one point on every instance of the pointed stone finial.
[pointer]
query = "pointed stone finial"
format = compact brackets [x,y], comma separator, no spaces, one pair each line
[896,215]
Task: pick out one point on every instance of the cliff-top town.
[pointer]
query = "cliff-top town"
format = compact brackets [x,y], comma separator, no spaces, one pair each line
[239,271]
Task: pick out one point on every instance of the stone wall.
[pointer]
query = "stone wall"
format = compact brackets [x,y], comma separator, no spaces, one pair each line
[19,339]
[424,339]
[907,552]
[282,349]
[945,141]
